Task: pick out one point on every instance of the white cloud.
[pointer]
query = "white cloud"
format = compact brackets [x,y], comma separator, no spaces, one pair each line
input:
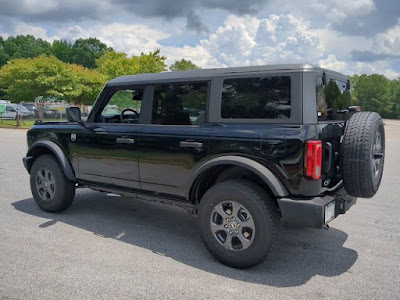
[272,40]
[332,63]
[286,39]
[132,39]
[339,44]
[197,55]
[37,31]
[331,11]
[389,41]
[378,67]
[230,45]
[245,40]
[338,10]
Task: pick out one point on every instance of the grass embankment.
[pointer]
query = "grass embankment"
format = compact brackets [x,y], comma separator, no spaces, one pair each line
[25,124]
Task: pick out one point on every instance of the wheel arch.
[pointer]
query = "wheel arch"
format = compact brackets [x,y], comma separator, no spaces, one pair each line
[209,172]
[49,147]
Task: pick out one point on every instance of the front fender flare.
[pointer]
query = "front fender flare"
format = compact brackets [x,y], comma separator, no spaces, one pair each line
[276,186]
[58,153]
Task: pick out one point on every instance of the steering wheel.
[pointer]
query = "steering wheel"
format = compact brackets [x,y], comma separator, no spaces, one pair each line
[128,109]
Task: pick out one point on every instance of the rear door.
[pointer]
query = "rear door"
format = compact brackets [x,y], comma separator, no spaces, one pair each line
[177,138]
[333,101]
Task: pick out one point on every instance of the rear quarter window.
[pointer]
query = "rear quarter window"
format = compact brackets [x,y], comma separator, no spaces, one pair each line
[256,98]
[333,100]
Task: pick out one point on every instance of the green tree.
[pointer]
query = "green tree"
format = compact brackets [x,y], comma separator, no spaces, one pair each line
[182,65]
[344,100]
[27,79]
[152,62]
[332,93]
[22,47]
[372,93]
[4,57]
[114,64]
[85,52]
[44,76]
[62,50]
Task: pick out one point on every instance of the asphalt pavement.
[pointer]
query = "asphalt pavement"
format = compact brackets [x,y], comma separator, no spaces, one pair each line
[106,247]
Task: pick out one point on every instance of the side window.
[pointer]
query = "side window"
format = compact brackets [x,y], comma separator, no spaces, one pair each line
[333,100]
[124,106]
[9,108]
[180,104]
[256,98]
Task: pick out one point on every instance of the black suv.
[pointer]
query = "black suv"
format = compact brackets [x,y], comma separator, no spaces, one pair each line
[242,149]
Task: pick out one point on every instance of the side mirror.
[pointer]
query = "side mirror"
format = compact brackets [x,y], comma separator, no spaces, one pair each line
[73,114]
[348,85]
[324,78]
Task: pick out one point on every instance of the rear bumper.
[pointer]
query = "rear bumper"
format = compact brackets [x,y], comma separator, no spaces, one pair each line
[311,212]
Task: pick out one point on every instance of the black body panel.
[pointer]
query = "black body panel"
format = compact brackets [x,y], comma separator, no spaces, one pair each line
[165,161]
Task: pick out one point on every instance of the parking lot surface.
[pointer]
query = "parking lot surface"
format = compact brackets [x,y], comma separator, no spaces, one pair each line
[106,247]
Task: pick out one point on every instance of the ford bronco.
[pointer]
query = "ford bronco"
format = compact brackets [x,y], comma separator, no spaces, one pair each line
[243,149]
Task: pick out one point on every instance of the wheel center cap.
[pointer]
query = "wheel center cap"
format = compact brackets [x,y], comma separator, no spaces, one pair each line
[46,184]
[232,225]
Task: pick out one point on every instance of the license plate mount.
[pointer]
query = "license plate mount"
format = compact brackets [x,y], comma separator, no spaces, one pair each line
[329,212]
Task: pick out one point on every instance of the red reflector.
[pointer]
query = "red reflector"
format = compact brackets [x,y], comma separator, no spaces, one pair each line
[313,159]
[358,108]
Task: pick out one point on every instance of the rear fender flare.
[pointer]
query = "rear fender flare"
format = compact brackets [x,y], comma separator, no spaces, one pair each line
[58,153]
[276,186]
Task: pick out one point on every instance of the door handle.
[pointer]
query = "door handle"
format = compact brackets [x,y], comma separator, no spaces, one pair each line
[125,141]
[100,130]
[187,144]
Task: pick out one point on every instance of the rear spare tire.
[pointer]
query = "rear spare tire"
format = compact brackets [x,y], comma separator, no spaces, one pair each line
[363,154]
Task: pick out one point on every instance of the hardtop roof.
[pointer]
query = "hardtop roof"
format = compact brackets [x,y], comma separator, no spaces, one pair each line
[206,74]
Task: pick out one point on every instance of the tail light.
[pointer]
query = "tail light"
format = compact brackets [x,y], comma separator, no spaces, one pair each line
[313,159]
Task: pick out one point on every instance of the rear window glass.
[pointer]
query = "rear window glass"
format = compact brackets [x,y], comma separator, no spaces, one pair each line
[256,98]
[333,100]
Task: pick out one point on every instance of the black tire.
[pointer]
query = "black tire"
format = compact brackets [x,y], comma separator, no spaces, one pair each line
[261,208]
[361,160]
[54,192]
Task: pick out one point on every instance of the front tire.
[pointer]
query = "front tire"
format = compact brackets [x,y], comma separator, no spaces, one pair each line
[239,223]
[51,189]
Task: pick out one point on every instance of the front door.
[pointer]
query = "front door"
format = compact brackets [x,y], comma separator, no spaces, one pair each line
[177,140]
[108,148]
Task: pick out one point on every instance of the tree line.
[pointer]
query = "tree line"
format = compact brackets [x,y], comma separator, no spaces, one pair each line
[77,71]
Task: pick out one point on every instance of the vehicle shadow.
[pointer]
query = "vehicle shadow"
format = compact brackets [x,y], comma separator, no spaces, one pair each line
[169,231]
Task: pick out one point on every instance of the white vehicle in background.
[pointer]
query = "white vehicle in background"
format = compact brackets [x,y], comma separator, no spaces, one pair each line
[23,111]
[10,112]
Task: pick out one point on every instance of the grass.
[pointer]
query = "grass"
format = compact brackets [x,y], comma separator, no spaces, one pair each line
[26,124]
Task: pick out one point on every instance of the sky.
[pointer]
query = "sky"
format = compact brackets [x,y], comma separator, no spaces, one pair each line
[353,37]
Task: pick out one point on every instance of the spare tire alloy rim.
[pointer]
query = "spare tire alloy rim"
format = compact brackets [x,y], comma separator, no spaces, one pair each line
[232,225]
[377,154]
[45,184]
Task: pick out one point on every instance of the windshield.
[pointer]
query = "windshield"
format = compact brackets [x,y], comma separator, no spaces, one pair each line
[22,108]
[29,106]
